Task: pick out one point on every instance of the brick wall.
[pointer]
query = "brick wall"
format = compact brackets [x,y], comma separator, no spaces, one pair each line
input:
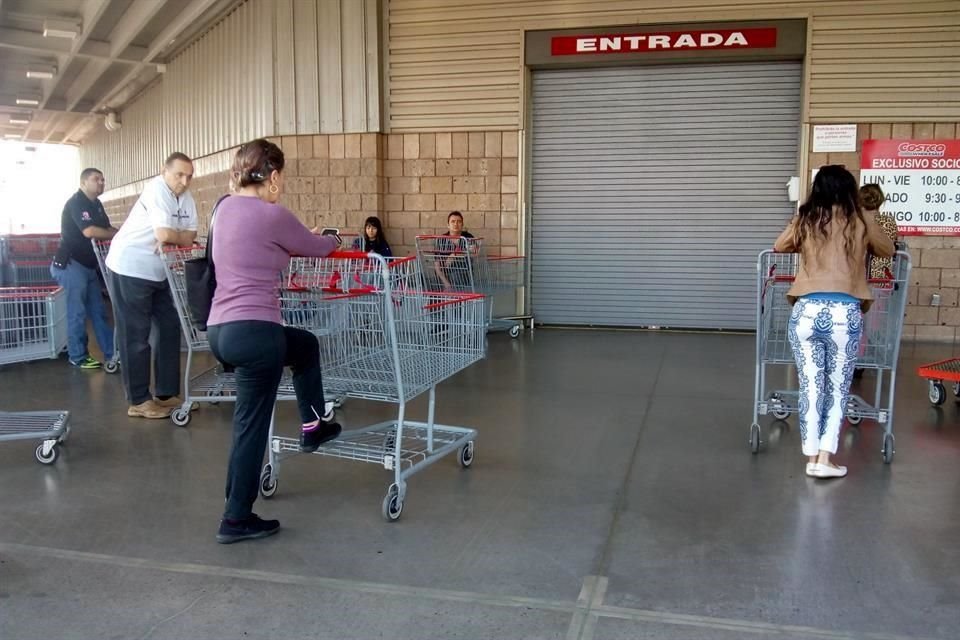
[411,181]
[428,175]
[936,259]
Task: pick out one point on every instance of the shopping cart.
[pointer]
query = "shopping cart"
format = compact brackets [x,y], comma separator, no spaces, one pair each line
[880,344]
[33,327]
[213,384]
[32,323]
[100,249]
[50,427]
[383,339]
[463,264]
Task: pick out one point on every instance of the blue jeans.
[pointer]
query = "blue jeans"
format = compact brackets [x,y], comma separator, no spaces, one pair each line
[84,300]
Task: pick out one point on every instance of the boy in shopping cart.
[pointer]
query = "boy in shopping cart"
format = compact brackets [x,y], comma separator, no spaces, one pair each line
[75,269]
[452,264]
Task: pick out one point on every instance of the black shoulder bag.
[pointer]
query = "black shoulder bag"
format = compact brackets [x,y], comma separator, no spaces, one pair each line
[201,279]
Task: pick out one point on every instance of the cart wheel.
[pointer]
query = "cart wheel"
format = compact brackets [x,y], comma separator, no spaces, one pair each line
[515,331]
[215,393]
[780,413]
[268,484]
[392,504]
[50,458]
[956,388]
[754,438]
[937,393]
[111,366]
[854,420]
[180,417]
[888,449]
[465,455]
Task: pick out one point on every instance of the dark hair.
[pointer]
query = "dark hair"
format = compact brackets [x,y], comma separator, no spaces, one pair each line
[176,155]
[89,171]
[454,213]
[834,193]
[255,161]
[374,221]
[378,244]
[871,197]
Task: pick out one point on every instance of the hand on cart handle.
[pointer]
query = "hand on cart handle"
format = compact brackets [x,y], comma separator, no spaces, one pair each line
[318,231]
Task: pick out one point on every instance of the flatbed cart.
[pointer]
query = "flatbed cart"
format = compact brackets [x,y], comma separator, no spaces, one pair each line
[936,373]
[466,265]
[384,339]
[50,427]
[880,345]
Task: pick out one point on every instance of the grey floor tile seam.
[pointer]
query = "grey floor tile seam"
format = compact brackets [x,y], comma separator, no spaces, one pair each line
[586,611]
[583,623]
[603,562]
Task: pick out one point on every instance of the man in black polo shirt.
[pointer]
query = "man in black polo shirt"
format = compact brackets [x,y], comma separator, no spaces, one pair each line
[75,269]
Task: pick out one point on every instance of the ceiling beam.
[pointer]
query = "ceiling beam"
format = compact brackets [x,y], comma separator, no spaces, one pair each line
[35,43]
[93,10]
[8,103]
[134,19]
[80,130]
[49,127]
[190,14]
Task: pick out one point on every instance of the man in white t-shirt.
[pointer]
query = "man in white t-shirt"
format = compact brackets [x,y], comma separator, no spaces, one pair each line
[164,215]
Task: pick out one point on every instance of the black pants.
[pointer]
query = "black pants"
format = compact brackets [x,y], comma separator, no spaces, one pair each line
[142,304]
[258,351]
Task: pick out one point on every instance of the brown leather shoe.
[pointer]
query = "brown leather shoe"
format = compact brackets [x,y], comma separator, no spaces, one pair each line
[149,409]
[175,403]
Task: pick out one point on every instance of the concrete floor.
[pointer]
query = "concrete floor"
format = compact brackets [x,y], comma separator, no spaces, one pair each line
[613,497]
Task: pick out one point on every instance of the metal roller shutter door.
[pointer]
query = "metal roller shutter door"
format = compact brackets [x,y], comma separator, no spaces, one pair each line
[654,188]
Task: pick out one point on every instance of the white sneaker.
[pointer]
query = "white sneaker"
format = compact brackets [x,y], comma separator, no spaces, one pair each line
[829,471]
[811,469]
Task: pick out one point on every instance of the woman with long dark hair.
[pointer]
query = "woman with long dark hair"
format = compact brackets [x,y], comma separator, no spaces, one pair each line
[829,295]
[253,238]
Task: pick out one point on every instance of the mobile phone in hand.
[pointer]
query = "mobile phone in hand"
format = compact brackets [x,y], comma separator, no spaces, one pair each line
[330,231]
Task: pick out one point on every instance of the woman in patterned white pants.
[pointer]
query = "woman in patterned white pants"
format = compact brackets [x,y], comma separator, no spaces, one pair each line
[829,293]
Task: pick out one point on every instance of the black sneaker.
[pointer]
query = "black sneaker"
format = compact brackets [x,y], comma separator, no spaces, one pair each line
[310,441]
[253,527]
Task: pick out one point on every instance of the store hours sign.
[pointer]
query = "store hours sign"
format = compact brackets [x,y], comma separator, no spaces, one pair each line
[921,182]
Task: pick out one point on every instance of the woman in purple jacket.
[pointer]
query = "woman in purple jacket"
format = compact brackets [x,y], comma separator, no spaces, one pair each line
[253,238]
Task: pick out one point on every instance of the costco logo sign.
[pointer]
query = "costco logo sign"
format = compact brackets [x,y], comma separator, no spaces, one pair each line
[760,38]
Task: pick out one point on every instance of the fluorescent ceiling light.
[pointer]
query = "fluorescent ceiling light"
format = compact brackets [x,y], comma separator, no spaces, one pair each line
[12,136]
[42,73]
[61,28]
[28,102]
[19,120]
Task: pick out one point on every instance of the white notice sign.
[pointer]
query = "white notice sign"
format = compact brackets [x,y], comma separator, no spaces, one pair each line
[836,138]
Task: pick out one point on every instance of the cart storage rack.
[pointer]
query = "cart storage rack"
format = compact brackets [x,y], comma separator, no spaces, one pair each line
[879,350]
[383,339]
[32,323]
